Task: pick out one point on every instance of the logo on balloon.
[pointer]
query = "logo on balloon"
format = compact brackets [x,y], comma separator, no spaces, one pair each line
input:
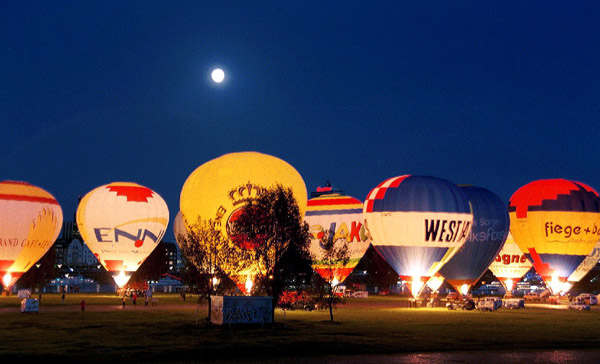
[260,227]
[507,258]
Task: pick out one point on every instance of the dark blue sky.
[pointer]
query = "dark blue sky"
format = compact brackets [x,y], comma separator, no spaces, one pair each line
[488,93]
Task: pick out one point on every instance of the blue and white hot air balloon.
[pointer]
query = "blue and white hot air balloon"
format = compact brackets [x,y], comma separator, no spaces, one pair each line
[417,223]
[490,228]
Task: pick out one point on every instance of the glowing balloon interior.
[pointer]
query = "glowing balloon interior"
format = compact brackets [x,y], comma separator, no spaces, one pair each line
[556,223]
[342,216]
[122,223]
[30,221]
[220,188]
[490,229]
[417,223]
[510,264]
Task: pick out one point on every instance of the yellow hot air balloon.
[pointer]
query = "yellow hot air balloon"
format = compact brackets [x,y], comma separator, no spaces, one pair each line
[30,221]
[220,189]
[122,223]
[556,223]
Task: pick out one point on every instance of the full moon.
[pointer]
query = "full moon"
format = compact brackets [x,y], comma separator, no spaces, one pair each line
[218,75]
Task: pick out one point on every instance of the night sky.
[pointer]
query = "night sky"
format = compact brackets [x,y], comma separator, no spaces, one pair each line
[488,93]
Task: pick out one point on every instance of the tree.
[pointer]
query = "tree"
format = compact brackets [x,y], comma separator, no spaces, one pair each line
[211,254]
[335,254]
[273,226]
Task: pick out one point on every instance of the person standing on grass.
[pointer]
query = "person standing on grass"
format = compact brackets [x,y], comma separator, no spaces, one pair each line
[124,300]
[134,298]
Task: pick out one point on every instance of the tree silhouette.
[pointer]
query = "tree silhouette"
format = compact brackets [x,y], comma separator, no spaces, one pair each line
[212,255]
[335,254]
[274,227]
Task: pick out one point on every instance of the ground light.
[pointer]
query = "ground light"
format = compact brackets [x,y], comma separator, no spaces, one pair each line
[464,289]
[509,285]
[556,286]
[6,279]
[248,285]
[416,286]
[435,283]
[121,279]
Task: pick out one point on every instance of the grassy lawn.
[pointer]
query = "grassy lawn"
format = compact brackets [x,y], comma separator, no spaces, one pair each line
[373,325]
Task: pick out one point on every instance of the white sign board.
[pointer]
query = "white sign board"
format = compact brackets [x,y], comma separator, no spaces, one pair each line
[241,310]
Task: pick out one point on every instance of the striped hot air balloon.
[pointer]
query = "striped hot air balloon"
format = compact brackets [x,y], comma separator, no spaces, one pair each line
[342,217]
[417,223]
[490,229]
[122,223]
[556,222]
[30,221]
[511,264]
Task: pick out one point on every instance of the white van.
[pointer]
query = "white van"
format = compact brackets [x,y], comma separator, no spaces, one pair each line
[589,298]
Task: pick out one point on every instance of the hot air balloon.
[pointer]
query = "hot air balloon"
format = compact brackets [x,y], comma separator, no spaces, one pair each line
[556,222]
[586,266]
[30,221]
[179,228]
[122,223]
[220,189]
[341,216]
[490,229]
[417,223]
[510,264]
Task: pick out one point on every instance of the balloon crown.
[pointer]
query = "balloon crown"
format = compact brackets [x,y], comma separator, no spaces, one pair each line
[245,193]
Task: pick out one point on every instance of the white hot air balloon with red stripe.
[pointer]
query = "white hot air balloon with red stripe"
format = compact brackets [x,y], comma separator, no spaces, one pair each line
[122,223]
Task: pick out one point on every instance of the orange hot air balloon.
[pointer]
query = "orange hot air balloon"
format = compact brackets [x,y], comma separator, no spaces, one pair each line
[556,222]
[122,223]
[30,221]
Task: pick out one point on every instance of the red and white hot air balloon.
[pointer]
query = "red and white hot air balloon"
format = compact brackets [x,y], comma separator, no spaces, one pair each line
[122,223]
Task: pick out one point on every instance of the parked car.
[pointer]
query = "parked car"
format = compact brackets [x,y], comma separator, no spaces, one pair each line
[489,304]
[589,298]
[531,296]
[513,303]
[554,299]
[452,296]
[579,303]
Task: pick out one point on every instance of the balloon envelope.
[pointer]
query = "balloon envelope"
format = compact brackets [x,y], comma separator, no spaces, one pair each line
[417,223]
[510,263]
[122,223]
[30,221]
[490,229]
[179,228]
[220,189]
[586,266]
[556,223]
[341,215]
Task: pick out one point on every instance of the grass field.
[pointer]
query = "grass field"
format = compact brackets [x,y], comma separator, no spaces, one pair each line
[168,332]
